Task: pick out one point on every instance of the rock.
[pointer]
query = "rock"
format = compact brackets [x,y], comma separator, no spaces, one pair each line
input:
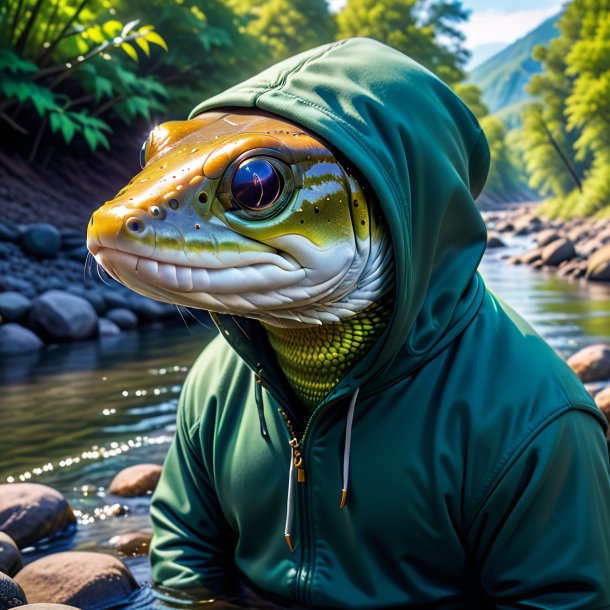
[16,339]
[11,594]
[41,240]
[13,306]
[124,318]
[504,226]
[588,247]
[526,224]
[8,233]
[532,256]
[602,400]
[544,238]
[84,579]
[78,254]
[148,310]
[136,480]
[598,269]
[61,316]
[603,237]
[558,251]
[107,328]
[579,233]
[591,363]
[29,511]
[514,260]
[10,557]
[9,283]
[537,264]
[115,299]
[493,241]
[133,543]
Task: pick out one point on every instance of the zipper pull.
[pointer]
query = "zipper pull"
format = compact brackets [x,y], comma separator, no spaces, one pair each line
[297,456]
[297,461]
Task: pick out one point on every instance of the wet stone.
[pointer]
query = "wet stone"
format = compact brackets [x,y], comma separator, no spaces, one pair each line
[136,480]
[124,318]
[16,339]
[50,607]
[10,557]
[598,268]
[131,544]
[107,328]
[11,594]
[82,579]
[558,251]
[29,511]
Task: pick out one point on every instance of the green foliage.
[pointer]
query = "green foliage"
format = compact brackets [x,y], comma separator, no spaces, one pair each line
[567,134]
[286,27]
[57,73]
[427,31]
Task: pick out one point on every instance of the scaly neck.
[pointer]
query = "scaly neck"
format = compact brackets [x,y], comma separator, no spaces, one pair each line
[316,358]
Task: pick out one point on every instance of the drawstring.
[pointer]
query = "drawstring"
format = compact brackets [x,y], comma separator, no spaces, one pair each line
[348,444]
[289,506]
[258,396]
[292,470]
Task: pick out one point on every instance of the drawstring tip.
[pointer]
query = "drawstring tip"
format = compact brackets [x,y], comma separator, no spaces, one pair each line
[343,498]
[289,542]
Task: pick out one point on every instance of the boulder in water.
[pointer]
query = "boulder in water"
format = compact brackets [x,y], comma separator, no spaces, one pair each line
[598,269]
[136,480]
[29,511]
[84,579]
[131,544]
[124,318]
[558,251]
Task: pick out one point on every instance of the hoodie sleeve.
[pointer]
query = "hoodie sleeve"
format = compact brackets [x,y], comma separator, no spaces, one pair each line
[542,537]
[192,545]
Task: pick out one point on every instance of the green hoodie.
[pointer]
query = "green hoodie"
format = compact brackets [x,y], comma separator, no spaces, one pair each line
[478,469]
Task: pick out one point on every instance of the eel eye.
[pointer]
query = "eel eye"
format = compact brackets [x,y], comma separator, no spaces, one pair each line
[143,154]
[256,184]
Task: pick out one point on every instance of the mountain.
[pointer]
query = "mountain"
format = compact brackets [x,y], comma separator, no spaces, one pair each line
[483,52]
[502,78]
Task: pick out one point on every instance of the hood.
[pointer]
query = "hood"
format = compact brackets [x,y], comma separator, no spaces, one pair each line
[424,155]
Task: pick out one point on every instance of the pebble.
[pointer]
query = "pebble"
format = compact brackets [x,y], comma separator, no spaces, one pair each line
[29,511]
[558,251]
[107,328]
[83,579]
[598,268]
[136,480]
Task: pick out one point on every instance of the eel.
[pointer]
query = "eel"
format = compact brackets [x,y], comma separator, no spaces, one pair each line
[245,213]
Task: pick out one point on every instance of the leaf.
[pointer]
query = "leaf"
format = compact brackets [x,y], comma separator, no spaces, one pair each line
[130,51]
[11,62]
[128,27]
[43,100]
[102,87]
[112,28]
[61,121]
[143,44]
[154,38]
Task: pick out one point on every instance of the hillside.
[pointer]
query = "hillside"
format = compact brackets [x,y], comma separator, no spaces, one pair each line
[502,78]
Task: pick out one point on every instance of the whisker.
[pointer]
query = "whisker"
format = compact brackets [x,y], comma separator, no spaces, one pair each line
[240,327]
[183,318]
[98,267]
[201,322]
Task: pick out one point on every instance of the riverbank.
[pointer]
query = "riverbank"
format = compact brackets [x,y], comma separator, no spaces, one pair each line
[576,248]
[50,290]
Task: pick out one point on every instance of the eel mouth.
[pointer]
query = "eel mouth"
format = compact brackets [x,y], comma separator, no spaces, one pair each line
[156,277]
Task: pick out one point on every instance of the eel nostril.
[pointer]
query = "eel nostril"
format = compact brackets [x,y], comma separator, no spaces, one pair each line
[135,225]
[155,210]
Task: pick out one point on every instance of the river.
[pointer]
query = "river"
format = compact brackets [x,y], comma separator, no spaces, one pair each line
[74,416]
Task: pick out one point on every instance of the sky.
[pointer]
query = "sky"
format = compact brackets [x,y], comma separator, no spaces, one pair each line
[494,24]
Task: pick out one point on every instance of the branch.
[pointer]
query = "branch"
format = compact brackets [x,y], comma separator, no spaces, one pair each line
[13,124]
[110,103]
[25,34]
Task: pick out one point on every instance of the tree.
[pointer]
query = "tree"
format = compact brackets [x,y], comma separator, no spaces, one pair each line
[425,30]
[567,130]
[285,27]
